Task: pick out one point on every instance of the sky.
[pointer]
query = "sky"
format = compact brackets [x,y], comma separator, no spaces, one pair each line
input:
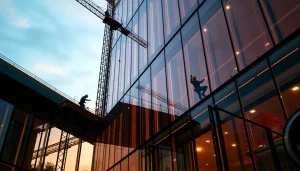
[57,40]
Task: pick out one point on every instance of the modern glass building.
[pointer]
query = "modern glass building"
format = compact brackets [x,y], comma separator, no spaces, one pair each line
[213,91]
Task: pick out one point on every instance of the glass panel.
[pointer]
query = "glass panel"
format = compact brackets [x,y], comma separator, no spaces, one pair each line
[155,27]
[135,57]
[5,115]
[286,67]
[176,78]
[282,17]
[86,156]
[124,121]
[171,18]
[187,7]
[143,58]
[135,5]
[114,145]
[236,146]
[107,148]
[122,67]
[134,161]
[17,136]
[128,64]
[129,13]
[98,157]
[251,39]
[134,117]
[145,104]
[159,105]
[227,99]
[124,15]
[124,164]
[259,98]
[116,77]
[117,167]
[111,79]
[194,61]
[220,58]
[120,13]
[165,157]
[72,154]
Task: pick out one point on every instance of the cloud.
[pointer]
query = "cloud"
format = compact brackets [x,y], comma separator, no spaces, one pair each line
[50,69]
[18,20]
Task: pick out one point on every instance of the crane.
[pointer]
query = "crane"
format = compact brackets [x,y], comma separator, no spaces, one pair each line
[114,24]
[161,97]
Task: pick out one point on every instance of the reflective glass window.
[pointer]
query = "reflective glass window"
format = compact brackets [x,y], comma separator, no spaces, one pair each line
[171,18]
[135,5]
[165,157]
[176,77]
[122,62]
[116,77]
[143,57]
[145,105]
[5,115]
[286,67]
[125,10]
[127,64]
[120,16]
[159,105]
[198,87]
[220,59]
[251,39]
[155,28]
[260,99]
[186,8]
[282,17]
[124,122]
[129,13]
[134,117]
[111,79]
[135,53]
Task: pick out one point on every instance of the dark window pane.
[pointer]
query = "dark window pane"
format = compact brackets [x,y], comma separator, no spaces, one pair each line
[176,78]
[282,17]
[286,67]
[128,64]
[171,18]
[124,128]
[155,28]
[194,61]
[135,46]
[165,157]
[5,115]
[259,98]
[143,58]
[251,39]
[186,8]
[236,144]
[220,58]
[159,105]
[116,77]
[111,79]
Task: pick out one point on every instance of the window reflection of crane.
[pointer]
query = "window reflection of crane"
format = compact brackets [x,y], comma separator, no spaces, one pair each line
[161,97]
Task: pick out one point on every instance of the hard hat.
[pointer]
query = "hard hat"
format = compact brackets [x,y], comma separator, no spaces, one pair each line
[194,77]
[87,95]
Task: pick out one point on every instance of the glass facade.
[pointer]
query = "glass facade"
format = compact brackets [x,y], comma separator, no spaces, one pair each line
[212,91]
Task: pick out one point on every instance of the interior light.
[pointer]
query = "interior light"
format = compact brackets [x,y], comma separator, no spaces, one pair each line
[260,145]
[237,52]
[199,149]
[225,132]
[267,44]
[295,88]
[206,164]
[235,68]
[214,155]
[228,7]
[233,145]
[252,111]
[205,30]
[207,141]
[174,159]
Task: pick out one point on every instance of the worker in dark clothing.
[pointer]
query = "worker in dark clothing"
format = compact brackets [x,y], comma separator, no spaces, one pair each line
[200,90]
[83,100]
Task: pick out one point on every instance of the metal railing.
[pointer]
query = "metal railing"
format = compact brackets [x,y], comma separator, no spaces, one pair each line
[42,81]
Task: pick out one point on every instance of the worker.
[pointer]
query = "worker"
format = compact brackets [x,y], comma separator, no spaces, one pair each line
[200,90]
[83,100]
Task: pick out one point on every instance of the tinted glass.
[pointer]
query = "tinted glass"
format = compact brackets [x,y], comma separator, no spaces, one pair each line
[135,57]
[286,67]
[111,80]
[159,94]
[251,39]
[171,18]
[134,117]
[195,62]
[128,64]
[176,78]
[122,61]
[220,59]
[155,28]
[143,57]
[186,8]
[129,10]
[116,77]
[260,99]
[5,114]
[282,17]
[125,10]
